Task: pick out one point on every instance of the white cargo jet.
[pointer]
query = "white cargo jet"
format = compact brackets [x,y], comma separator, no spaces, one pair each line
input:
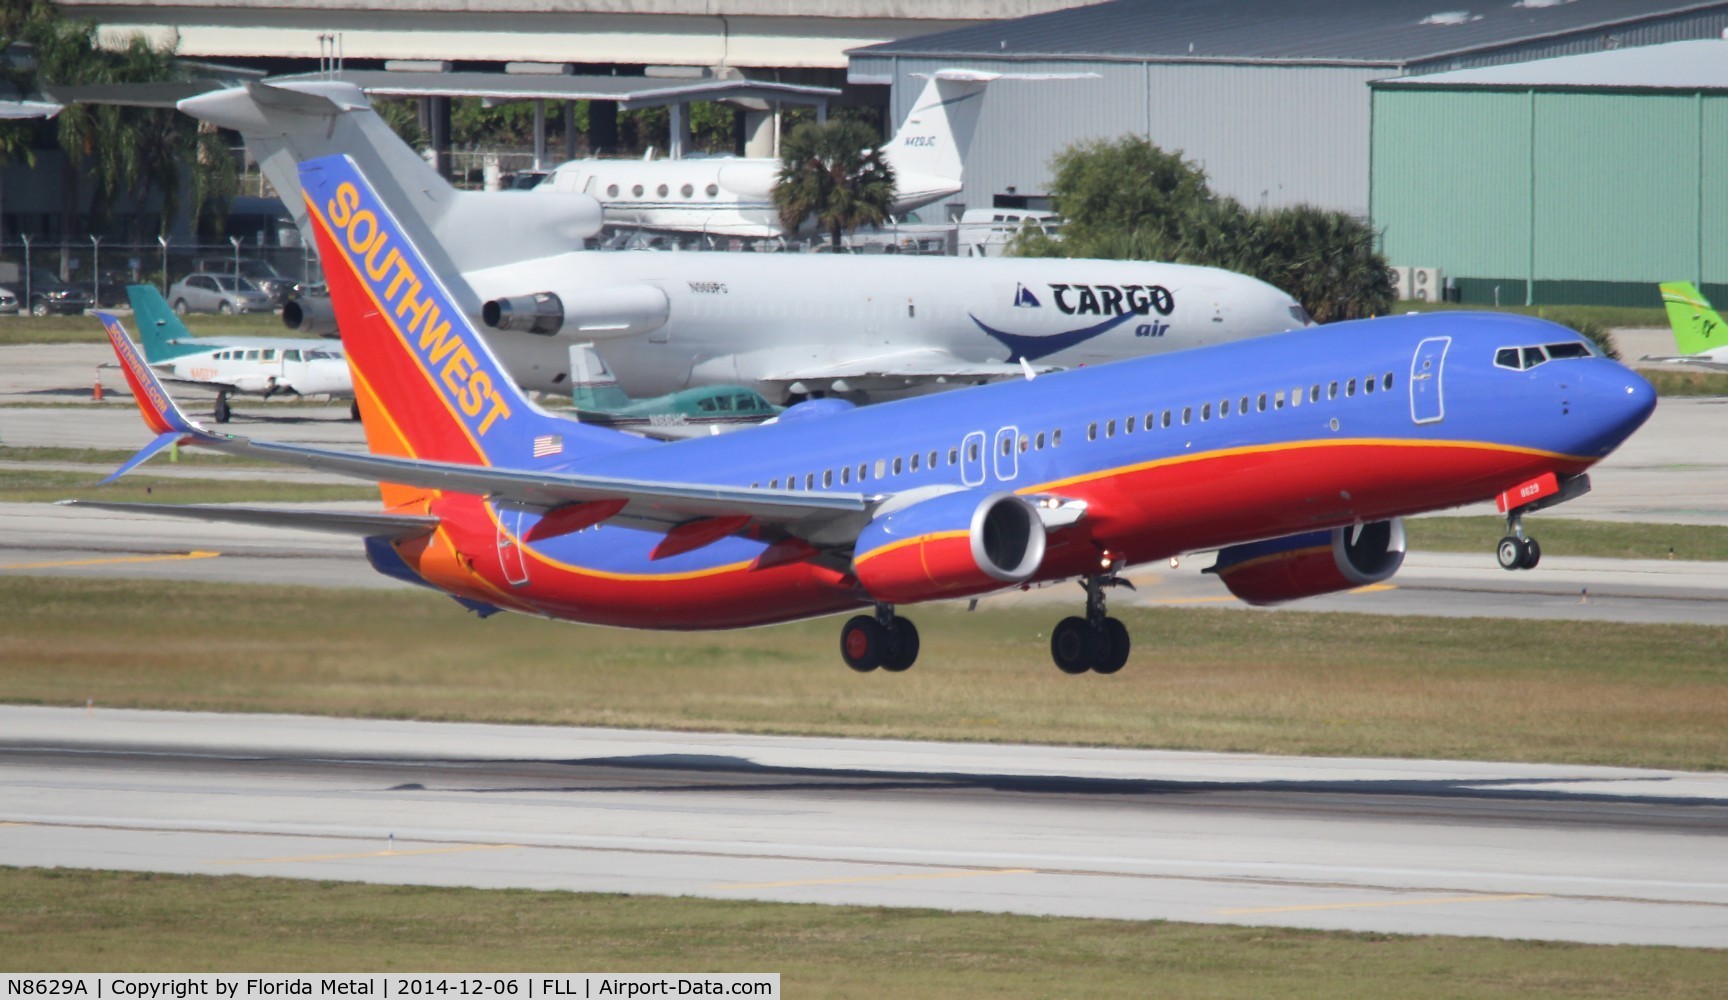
[785,325]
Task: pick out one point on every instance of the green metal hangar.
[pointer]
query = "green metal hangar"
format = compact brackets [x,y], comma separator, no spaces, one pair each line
[1584,179]
[1271,97]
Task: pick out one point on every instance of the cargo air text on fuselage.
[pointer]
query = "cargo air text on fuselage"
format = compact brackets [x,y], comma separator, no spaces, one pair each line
[402,292]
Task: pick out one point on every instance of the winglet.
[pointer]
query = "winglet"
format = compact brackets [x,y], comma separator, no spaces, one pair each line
[160,412]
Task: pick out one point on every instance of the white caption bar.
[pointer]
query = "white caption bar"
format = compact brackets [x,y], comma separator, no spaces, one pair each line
[391,986]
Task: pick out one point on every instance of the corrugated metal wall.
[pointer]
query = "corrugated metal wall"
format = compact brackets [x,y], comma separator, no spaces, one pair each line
[1266,135]
[1594,197]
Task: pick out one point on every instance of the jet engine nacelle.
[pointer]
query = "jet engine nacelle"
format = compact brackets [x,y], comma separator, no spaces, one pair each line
[587,313]
[1312,563]
[951,545]
[309,314]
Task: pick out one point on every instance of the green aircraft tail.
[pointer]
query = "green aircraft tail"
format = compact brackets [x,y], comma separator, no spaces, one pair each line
[164,335]
[592,386]
[1697,327]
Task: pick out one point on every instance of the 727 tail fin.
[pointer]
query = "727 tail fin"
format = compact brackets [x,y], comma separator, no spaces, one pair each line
[1696,325]
[427,384]
[163,334]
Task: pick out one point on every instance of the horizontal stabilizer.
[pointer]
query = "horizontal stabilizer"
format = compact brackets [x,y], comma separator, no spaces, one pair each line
[365,525]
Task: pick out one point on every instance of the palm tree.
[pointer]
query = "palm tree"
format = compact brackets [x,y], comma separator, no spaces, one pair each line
[834,171]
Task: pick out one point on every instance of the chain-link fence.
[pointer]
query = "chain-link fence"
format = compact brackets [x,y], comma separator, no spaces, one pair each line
[34,270]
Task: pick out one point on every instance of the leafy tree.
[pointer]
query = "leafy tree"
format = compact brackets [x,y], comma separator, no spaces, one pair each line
[129,153]
[1130,200]
[834,171]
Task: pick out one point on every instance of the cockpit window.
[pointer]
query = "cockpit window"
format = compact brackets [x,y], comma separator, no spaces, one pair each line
[1525,358]
[1300,315]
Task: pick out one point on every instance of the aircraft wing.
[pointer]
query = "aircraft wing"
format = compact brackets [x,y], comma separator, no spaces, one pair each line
[1690,361]
[365,525]
[902,368]
[646,502]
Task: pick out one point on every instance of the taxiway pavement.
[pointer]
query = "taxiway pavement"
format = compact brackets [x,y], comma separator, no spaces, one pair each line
[1571,853]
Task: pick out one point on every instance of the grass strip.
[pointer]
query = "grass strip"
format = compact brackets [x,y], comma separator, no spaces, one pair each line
[1562,536]
[49,485]
[1201,679]
[72,921]
[88,329]
[114,456]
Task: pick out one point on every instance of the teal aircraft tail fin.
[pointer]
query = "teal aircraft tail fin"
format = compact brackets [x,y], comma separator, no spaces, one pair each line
[1696,325]
[592,387]
[163,334]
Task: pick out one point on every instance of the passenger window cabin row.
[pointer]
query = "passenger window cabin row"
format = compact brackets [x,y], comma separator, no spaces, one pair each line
[1155,419]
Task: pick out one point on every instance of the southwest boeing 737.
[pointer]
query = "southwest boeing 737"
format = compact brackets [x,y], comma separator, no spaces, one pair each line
[1294,456]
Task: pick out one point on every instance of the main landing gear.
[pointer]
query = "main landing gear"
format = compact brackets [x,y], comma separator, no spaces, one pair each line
[1096,642]
[222,412]
[884,640]
[1517,550]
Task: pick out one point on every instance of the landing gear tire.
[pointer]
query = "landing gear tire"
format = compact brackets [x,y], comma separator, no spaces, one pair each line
[1510,553]
[222,412]
[354,411]
[863,644]
[902,646]
[1530,554]
[1071,645]
[1116,647]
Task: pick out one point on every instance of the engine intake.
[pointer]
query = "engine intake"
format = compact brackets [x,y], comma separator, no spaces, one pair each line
[1312,563]
[541,312]
[952,545]
[309,314]
[588,313]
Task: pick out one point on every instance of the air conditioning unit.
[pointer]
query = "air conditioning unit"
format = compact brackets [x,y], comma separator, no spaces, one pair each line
[1427,284]
[1400,278]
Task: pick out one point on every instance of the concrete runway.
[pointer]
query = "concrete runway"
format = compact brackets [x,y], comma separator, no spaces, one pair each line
[1568,853]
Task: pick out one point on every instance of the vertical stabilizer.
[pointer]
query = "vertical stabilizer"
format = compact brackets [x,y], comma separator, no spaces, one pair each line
[288,122]
[427,384]
[164,336]
[592,386]
[928,153]
[1696,325]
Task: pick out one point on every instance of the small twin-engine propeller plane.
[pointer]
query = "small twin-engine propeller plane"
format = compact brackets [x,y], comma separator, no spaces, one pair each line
[1294,455]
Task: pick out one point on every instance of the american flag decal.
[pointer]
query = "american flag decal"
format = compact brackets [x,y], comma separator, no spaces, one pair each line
[548,444]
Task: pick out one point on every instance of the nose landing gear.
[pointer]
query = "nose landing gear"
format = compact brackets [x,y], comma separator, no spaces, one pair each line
[1096,642]
[884,640]
[1517,550]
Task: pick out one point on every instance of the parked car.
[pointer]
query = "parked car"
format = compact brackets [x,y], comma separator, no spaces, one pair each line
[48,294]
[262,273]
[8,302]
[223,293]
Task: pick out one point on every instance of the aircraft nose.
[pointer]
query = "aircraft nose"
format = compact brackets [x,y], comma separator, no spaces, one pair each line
[1620,400]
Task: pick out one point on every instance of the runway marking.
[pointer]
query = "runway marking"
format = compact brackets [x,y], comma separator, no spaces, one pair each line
[875,878]
[1437,901]
[462,849]
[117,559]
